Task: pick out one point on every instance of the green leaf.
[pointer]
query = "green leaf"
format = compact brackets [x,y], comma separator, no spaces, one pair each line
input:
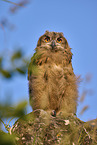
[16,55]
[5,73]
[1,62]
[84,109]
[6,139]
[21,70]
[17,111]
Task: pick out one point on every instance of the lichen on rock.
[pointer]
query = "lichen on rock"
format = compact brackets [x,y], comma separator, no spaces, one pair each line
[39,128]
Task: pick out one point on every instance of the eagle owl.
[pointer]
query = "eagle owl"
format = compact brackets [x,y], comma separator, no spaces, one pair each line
[52,82]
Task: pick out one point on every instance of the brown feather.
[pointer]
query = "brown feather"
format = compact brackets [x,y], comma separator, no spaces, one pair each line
[54,85]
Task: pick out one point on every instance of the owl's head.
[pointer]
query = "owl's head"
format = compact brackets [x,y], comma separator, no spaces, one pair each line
[53,41]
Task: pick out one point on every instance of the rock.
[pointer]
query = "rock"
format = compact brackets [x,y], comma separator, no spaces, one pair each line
[40,128]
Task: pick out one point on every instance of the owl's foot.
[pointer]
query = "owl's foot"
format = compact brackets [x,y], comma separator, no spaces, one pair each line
[53,113]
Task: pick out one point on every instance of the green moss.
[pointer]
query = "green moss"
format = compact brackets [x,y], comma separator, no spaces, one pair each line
[40,128]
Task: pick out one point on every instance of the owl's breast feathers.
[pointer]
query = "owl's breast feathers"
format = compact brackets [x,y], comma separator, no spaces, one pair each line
[40,59]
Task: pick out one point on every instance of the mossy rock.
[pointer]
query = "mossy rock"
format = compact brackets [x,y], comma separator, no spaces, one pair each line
[40,128]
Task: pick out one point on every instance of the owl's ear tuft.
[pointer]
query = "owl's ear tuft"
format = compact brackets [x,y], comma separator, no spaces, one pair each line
[46,31]
[62,33]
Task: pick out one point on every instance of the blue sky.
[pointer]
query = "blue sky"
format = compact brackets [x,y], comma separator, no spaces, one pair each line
[77,19]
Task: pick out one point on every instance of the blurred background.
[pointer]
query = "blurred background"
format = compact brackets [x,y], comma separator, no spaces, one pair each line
[22,22]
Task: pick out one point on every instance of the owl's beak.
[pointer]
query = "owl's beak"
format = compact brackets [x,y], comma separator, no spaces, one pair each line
[53,44]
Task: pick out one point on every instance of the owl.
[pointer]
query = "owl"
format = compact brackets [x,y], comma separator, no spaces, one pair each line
[52,82]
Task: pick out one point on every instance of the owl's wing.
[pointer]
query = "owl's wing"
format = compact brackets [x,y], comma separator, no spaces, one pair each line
[33,66]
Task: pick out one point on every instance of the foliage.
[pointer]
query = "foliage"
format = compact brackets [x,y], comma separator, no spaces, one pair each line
[12,63]
[16,111]
[17,63]
[6,139]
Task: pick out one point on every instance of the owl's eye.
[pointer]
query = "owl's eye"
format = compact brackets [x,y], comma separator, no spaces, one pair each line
[59,40]
[47,39]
